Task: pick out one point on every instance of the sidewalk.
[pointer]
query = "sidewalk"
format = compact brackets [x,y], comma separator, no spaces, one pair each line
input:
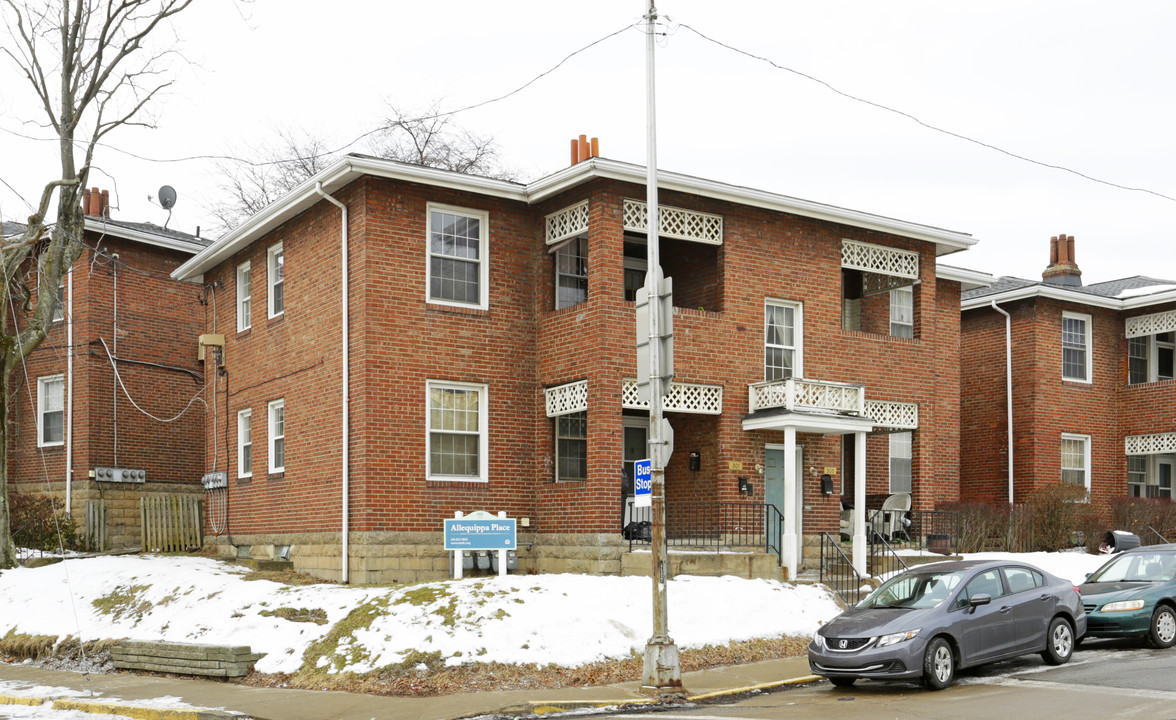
[137,693]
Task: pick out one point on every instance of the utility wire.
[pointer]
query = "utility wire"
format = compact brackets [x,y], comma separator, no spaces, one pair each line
[929,126]
[362,136]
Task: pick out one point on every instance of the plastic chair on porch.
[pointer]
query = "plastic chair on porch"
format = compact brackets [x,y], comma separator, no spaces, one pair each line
[888,521]
[846,523]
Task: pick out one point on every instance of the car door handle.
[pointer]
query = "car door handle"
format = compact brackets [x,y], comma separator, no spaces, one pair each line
[1043,598]
[1004,610]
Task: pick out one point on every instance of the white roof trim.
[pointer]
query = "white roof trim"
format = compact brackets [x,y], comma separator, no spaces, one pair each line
[350,168]
[97,225]
[968,279]
[1054,292]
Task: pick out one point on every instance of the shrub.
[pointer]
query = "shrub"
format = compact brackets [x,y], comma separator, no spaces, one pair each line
[36,519]
[1143,515]
[982,526]
[1054,512]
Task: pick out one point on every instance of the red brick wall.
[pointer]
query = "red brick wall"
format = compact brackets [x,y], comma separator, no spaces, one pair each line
[1045,405]
[521,345]
[159,320]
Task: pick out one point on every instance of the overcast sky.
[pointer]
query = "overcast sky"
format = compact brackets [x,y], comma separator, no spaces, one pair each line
[1084,85]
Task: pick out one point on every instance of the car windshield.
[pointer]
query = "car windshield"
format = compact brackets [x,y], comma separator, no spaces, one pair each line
[922,589]
[1137,567]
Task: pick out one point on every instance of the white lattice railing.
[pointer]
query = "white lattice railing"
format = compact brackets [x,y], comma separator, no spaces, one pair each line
[1157,444]
[897,415]
[878,259]
[567,398]
[566,223]
[682,397]
[1153,324]
[675,222]
[801,394]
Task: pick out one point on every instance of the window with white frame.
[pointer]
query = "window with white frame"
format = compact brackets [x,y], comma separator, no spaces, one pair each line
[1149,476]
[244,298]
[245,443]
[1076,459]
[59,309]
[277,436]
[571,447]
[571,273]
[457,438]
[900,462]
[636,261]
[276,273]
[1076,347]
[1151,358]
[783,334]
[902,312]
[458,266]
[51,411]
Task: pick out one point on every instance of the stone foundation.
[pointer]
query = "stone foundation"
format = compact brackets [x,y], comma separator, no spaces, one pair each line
[388,557]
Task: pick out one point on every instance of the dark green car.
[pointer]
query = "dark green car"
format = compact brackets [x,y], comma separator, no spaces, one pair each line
[1134,594]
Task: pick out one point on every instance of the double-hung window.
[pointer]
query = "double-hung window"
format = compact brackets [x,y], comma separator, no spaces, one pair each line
[1076,460]
[783,333]
[276,274]
[571,273]
[458,256]
[571,447]
[277,436]
[245,443]
[900,462]
[456,438]
[902,312]
[1151,358]
[1076,347]
[244,298]
[51,411]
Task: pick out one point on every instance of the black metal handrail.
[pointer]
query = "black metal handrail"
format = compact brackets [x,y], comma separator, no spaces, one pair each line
[883,559]
[934,530]
[30,537]
[838,573]
[709,525]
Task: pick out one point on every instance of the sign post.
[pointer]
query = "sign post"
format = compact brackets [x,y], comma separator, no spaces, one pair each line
[479,531]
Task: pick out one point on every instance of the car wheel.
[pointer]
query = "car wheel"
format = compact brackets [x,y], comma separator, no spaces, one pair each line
[938,665]
[1059,642]
[1163,627]
[842,681]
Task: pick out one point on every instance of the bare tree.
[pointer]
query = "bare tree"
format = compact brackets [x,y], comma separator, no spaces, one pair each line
[88,66]
[426,137]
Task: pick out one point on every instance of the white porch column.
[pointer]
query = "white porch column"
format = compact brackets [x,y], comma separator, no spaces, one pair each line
[788,541]
[859,503]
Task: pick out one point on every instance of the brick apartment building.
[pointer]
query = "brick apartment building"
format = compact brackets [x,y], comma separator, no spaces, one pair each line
[118,307]
[485,350]
[1093,397]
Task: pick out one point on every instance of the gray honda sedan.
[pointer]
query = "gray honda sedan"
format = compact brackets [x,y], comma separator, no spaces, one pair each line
[928,622]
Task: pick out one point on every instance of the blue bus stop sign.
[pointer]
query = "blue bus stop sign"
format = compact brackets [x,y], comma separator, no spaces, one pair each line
[643,483]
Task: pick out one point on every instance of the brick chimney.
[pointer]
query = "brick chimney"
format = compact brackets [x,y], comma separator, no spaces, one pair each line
[1062,270]
[96,203]
[582,149]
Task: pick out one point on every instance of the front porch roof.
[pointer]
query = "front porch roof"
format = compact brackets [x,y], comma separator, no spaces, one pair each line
[823,423]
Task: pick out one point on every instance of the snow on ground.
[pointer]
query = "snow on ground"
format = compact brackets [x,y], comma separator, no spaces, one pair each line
[547,619]
[565,620]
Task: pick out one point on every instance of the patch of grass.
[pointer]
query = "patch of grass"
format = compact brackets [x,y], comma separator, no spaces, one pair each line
[336,647]
[124,602]
[18,646]
[318,616]
[287,577]
[433,594]
[404,679]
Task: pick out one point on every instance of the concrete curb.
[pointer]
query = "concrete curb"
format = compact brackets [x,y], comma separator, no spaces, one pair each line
[546,707]
[20,700]
[142,713]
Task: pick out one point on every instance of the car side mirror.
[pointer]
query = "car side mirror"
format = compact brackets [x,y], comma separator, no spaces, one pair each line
[979,599]
[1088,575]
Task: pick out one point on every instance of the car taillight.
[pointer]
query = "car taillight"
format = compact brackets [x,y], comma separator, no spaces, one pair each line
[1077,590]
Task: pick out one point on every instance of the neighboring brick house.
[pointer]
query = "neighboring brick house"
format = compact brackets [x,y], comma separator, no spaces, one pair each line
[1093,400]
[66,422]
[491,365]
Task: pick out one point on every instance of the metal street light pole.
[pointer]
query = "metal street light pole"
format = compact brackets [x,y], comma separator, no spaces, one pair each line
[662,674]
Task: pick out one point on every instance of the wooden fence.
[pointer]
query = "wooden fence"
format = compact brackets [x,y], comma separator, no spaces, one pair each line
[171,523]
[97,537]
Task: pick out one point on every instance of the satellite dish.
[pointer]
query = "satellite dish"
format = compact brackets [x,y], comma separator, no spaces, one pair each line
[167,197]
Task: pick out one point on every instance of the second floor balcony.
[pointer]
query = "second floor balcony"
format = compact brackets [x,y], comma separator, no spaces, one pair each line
[808,395]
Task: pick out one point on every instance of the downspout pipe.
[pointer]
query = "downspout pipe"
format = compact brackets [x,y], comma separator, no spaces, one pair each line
[69,392]
[1008,387]
[345,555]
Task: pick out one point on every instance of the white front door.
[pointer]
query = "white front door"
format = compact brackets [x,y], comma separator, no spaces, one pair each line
[776,494]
